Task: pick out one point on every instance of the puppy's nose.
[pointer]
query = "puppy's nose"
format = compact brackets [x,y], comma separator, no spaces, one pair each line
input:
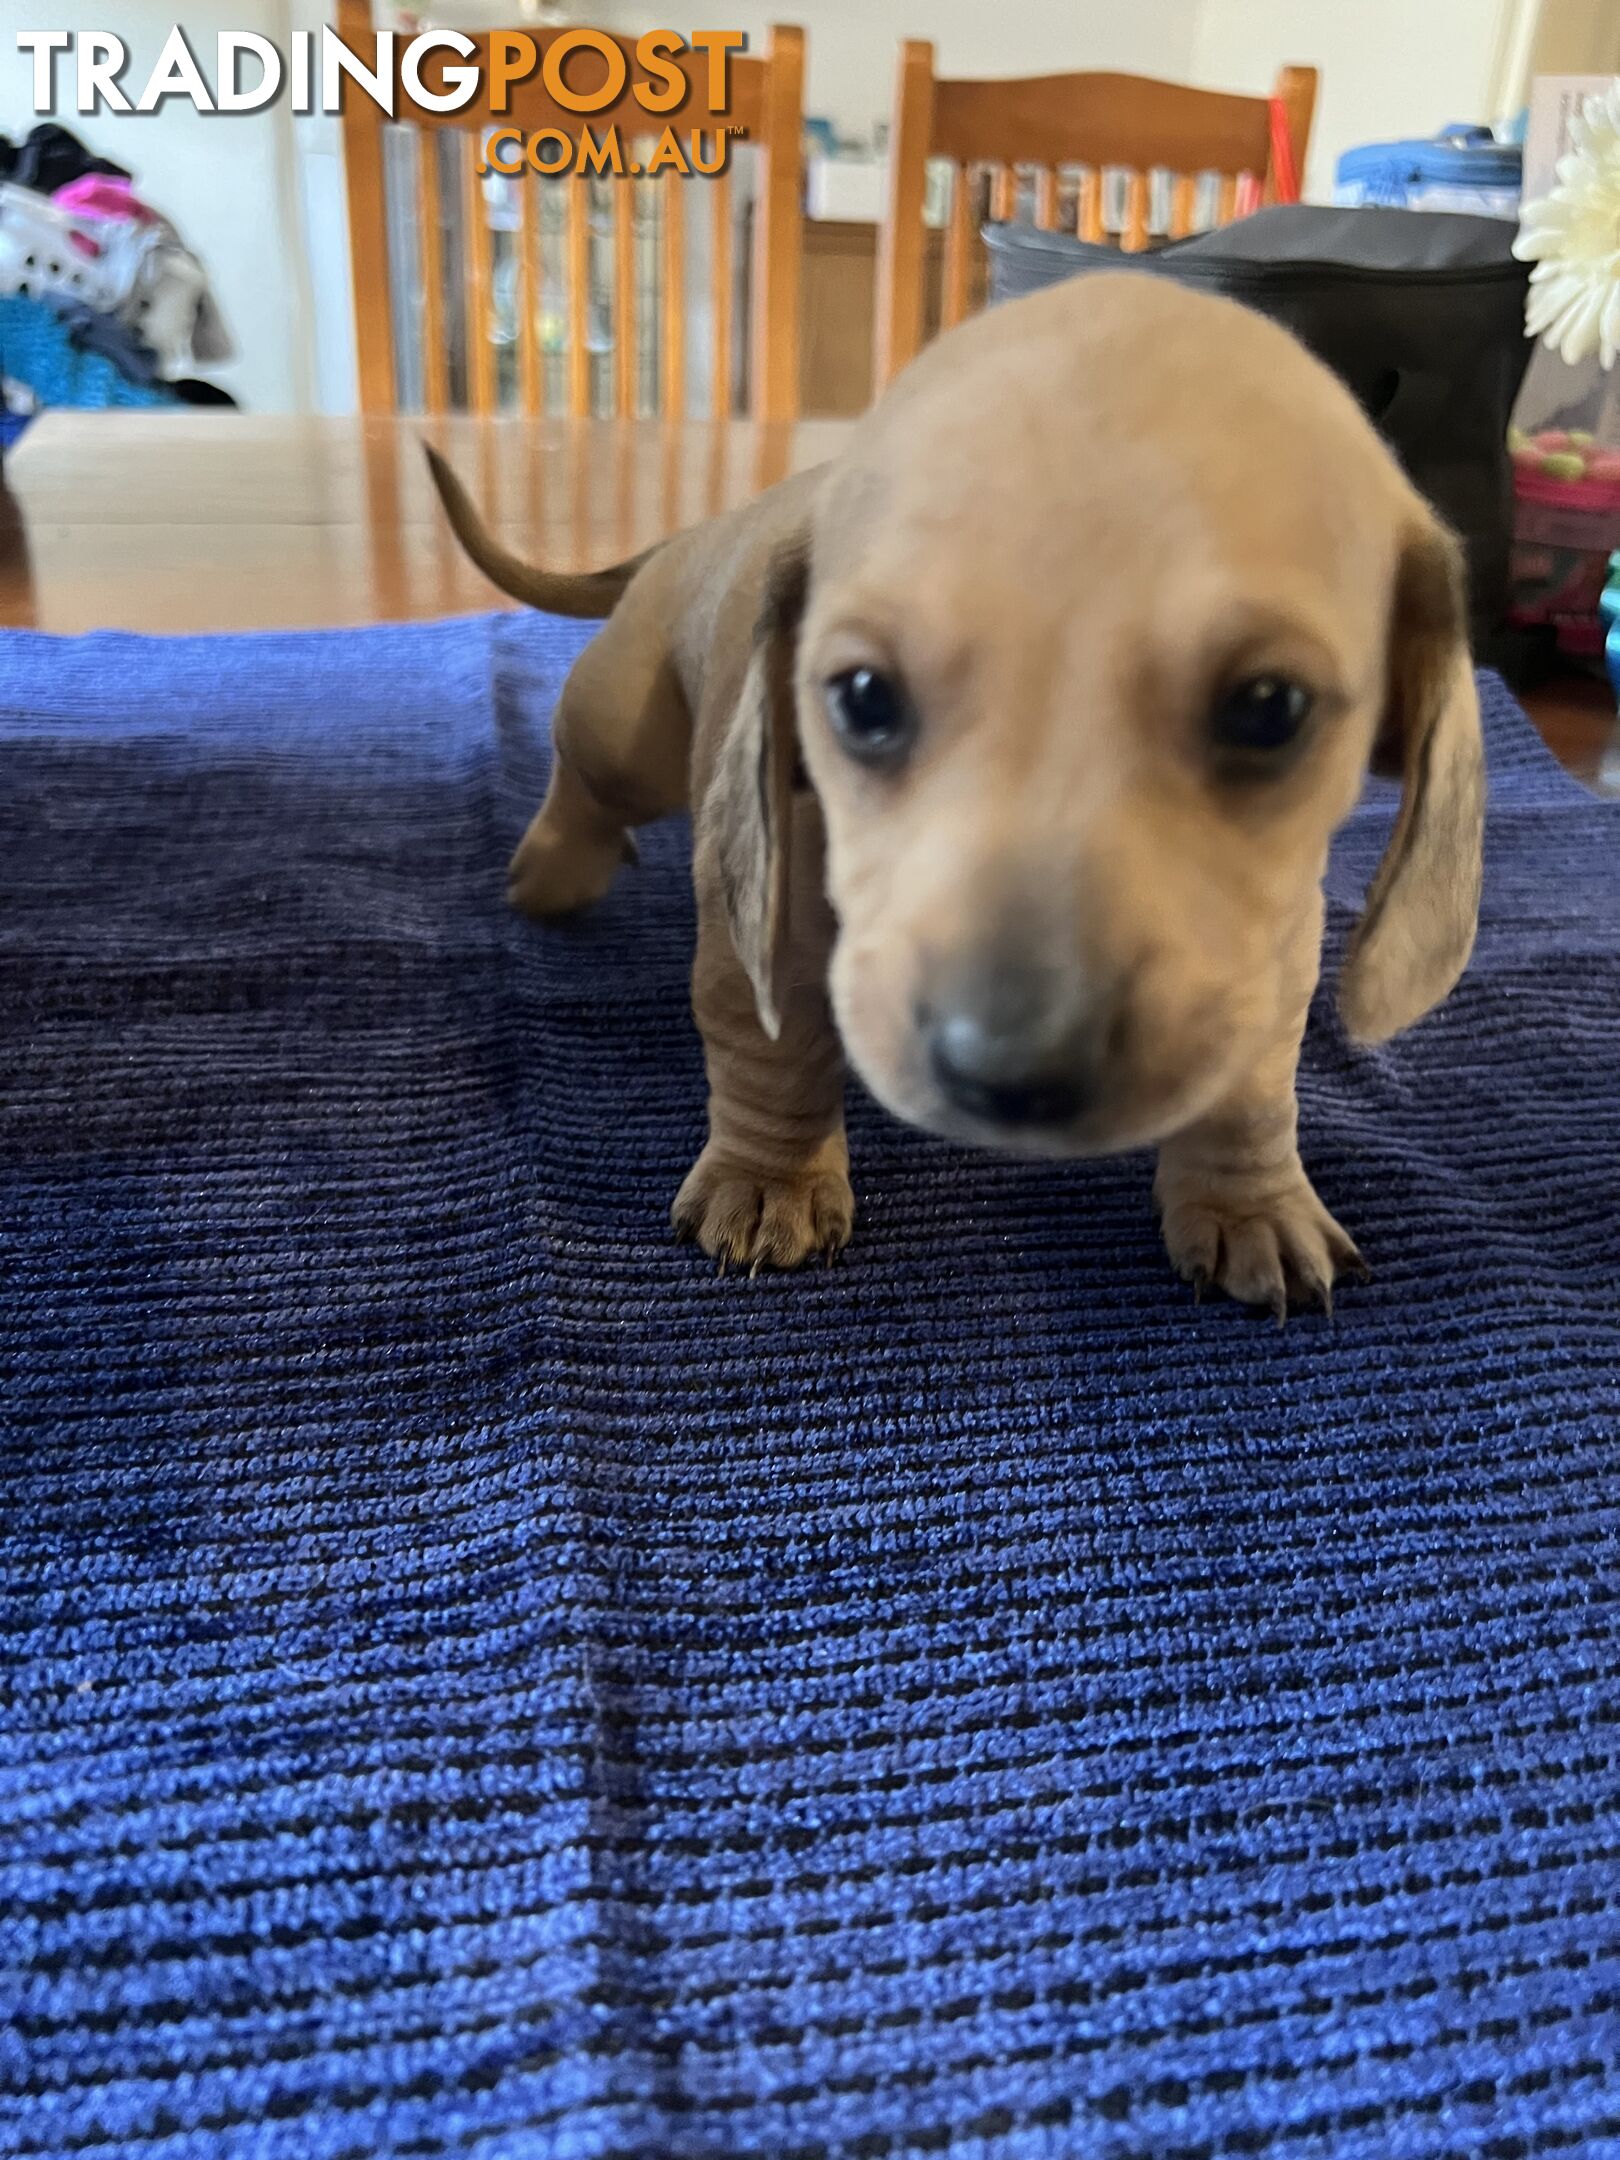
[1009,1059]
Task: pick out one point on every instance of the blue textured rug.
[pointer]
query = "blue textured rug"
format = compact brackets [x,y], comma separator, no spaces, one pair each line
[473,1681]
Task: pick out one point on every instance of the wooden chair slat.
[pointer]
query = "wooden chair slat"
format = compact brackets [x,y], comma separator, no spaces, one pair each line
[899,324]
[579,296]
[779,231]
[531,378]
[1295,91]
[958,248]
[672,338]
[1135,237]
[476,247]
[429,226]
[1046,199]
[1183,200]
[1090,221]
[720,277]
[625,350]
[1004,194]
[1226,199]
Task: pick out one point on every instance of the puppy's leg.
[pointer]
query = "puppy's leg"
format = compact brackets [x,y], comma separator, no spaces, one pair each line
[771,1188]
[571,852]
[1237,1209]
[621,745]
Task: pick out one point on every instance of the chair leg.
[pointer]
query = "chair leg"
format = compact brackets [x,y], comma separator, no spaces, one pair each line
[903,240]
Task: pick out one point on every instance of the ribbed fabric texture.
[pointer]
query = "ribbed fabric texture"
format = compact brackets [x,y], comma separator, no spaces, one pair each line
[476,1682]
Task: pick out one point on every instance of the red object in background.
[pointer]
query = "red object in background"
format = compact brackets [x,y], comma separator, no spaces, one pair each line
[1284,164]
[1284,169]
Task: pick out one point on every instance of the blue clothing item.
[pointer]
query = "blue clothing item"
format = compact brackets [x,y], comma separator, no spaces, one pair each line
[38,349]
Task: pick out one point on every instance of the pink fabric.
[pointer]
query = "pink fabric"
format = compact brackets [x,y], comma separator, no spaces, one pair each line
[100,195]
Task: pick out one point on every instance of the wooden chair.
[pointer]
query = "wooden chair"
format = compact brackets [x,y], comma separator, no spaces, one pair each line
[1098,123]
[766,103]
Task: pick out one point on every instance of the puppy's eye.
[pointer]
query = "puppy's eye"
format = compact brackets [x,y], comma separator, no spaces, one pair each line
[871,715]
[1261,715]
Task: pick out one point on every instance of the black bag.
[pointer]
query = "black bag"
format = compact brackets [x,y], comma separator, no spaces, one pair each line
[1420,313]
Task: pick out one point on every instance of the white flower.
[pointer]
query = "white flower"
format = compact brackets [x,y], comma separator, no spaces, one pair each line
[1572,235]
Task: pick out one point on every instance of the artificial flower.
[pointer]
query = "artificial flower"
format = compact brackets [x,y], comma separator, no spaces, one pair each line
[1572,235]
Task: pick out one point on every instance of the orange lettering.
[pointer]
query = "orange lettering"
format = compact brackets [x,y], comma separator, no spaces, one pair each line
[717,44]
[572,41]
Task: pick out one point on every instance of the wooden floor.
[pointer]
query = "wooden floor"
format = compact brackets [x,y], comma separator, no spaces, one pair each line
[1576,716]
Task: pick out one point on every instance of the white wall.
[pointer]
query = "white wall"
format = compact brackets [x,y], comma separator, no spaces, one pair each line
[854,44]
[230,182]
[315,143]
[1390,68]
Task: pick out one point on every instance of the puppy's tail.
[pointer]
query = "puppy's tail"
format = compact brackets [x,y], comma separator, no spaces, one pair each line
[588,594]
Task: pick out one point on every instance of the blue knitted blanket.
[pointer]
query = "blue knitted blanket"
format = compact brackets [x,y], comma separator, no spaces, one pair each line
[473,1681]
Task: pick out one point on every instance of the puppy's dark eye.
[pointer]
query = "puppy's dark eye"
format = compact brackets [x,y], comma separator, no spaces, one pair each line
[1261,715]
[871,715]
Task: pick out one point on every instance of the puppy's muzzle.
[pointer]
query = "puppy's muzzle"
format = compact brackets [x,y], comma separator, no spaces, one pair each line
[1016,1048]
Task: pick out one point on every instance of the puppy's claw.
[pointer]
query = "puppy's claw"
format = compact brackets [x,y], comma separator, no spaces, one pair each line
[764,1219]
[1260,1243]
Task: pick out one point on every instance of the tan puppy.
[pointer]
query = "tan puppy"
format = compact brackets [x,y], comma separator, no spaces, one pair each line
[1016,739]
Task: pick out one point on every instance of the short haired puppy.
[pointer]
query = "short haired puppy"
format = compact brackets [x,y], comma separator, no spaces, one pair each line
[1015,739]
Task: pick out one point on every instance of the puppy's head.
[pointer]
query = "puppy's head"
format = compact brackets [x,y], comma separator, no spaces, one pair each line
[1100,623]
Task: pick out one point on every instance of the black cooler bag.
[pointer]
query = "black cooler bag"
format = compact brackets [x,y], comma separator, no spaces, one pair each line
[1420,313]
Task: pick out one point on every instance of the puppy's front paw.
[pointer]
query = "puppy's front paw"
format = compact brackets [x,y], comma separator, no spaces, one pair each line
[745,1217]
[1264,1241]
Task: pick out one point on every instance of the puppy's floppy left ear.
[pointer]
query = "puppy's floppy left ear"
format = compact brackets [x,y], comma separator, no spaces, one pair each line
[748,809]
[1417,929]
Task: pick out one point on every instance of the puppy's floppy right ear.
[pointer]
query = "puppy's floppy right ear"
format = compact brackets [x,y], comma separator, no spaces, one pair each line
[1417,928]
[749,805]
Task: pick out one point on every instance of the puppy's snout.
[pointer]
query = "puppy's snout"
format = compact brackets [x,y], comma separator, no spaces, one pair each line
[1014,1049]
[993,1078]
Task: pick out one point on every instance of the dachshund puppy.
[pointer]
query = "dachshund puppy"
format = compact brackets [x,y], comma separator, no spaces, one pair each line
[1015,739]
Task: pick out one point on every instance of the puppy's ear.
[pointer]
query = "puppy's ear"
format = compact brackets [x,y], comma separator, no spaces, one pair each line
[748,809]
[1417,929]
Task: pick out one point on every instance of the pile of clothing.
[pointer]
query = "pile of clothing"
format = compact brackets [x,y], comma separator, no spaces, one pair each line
[101,301]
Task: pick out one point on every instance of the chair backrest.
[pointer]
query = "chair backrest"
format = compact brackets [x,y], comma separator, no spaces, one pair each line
[764,107]
[1085,126]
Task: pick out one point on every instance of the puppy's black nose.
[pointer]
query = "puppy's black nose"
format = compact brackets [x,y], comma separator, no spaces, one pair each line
[1001,1059]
